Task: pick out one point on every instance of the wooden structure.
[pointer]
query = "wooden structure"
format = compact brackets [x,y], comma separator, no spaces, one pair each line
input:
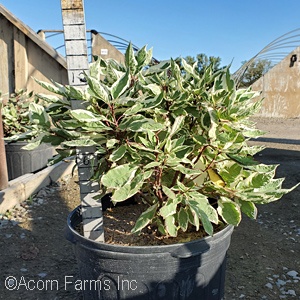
[23,55]
[77,62]
[3,166]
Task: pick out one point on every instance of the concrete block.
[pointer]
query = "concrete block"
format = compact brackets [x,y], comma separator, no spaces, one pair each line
[24,186]
[36,182]
[11,196]
[61,169]
[17,180]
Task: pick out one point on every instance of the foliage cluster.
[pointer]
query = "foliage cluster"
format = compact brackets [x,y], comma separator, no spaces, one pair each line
[173,136]
[15,112]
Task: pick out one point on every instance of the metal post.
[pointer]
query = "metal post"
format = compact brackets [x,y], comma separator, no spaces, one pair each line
[3,165]
[77,62]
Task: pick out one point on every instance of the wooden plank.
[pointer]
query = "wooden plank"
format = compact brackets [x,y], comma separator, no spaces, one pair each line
[20,60]
[77,17]
[28,32]
[76,77]
[77,61]
[75,32]
[7,80]
[72,4]
[76,47]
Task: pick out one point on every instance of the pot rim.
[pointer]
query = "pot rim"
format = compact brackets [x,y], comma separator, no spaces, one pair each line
[73,236]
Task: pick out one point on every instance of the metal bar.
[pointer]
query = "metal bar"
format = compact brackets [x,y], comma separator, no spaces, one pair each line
[120,41]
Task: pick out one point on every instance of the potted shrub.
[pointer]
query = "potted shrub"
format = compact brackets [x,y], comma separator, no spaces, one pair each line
[174,143]
[15,119]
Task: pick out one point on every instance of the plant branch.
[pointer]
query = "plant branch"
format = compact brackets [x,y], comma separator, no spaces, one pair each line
[208,167]
[158,177]
[112,110]
[200,153]
[175,178]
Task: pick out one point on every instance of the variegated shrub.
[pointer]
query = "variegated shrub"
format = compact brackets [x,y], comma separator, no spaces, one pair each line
[175,138]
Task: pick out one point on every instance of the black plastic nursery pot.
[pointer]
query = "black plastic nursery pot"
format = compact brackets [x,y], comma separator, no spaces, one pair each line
[20,161]
[192,270]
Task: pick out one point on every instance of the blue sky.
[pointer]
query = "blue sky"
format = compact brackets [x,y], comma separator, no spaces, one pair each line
[231,29]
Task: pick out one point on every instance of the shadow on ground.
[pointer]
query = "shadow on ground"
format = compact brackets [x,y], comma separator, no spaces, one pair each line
[35,256]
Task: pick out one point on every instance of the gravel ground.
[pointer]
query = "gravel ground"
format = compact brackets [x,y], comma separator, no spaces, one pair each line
[263,259]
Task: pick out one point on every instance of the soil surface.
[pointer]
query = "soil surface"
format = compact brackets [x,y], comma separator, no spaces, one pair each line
[119,220]
[263,260]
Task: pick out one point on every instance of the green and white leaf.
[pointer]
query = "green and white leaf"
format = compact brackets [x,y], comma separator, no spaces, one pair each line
[139,123]
[38,115]
[127,190]
[32,145]
[169,193]
[249,209]
[84,116]
[229,211]
[80,143]
[51,87]
[130,61]
[119,176]
[111,143]
[118,154]
[202,204]
[119,87]
[183,219]
[97,89]
[170,226]
[145,218]
[169,208]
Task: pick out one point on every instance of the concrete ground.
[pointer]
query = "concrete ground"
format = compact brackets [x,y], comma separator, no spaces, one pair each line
[280,133]
[264,256]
